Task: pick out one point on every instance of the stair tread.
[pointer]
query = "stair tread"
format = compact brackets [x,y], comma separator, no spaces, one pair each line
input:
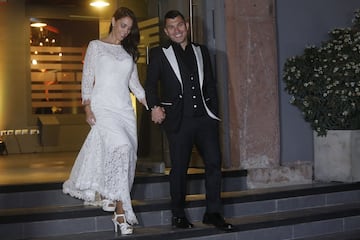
[141,177]
[308,188]
[244,223]
[350,235]
[336,207]
[76,211]
[195,200]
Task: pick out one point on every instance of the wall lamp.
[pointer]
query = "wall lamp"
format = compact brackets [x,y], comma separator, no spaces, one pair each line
[38,24]
[34,22]
[99,3]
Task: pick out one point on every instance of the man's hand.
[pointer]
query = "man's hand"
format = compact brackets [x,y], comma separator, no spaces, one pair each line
[158,114]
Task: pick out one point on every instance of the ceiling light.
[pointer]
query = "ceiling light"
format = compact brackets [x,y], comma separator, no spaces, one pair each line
[38,24]
[99,4]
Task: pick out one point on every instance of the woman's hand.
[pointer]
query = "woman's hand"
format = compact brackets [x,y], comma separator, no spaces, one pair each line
[90,117]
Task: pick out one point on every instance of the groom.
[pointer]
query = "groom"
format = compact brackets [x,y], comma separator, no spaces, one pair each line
[181,92]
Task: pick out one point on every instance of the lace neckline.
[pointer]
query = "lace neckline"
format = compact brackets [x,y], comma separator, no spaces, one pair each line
[111,44]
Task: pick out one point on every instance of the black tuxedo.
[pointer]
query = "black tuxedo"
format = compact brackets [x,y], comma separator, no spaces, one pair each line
[165,86]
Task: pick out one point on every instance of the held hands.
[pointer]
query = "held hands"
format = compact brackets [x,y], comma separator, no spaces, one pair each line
[158,114]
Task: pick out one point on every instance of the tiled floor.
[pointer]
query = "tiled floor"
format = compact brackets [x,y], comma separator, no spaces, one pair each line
[35,168]
[19,169]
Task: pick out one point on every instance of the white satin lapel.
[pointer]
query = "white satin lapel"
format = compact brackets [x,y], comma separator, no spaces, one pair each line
[170,55]
[200,63]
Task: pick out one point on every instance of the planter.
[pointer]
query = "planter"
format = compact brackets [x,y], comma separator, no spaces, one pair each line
[337,156]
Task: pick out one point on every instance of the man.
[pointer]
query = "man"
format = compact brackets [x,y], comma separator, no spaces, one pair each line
[185,104]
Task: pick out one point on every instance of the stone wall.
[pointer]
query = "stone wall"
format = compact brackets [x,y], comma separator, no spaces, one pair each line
[253,95]
[253,86]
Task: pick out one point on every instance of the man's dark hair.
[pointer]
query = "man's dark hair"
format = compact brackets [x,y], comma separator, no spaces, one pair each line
[173,14]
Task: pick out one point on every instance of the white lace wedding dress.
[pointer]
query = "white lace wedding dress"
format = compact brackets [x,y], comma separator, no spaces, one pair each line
[106,162]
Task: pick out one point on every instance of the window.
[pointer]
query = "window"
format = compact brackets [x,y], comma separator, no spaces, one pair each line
[57,51]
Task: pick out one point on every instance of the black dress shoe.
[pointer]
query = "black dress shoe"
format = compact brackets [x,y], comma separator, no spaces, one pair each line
[181,222]
[218,221]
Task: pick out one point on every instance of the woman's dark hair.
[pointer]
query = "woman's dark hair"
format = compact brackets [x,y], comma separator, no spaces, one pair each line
[131,42]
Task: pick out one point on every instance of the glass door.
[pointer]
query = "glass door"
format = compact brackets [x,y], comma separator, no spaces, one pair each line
[153,146]
[56,74]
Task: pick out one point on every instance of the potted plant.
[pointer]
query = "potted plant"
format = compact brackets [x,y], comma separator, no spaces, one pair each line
[324,83]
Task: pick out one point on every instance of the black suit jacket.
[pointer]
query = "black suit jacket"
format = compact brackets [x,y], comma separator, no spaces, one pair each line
[164,85]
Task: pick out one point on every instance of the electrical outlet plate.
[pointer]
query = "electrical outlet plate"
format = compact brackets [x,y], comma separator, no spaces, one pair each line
[10,132]
[34,131]
[17,132]
[24,131]
[3,132]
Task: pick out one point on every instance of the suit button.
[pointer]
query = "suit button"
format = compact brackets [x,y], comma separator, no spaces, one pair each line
[195,106]
[180,96]
[194,97]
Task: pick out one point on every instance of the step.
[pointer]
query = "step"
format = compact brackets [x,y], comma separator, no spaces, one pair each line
[347,235]
[297,224]
[146,187]
[240,203]
[295,202]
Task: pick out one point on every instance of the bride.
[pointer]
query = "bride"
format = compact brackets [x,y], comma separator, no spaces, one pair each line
[105,166]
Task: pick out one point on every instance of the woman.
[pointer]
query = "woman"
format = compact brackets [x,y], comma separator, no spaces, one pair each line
[105,165]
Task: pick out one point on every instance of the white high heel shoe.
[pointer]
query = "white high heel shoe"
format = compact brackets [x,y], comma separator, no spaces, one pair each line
[125,228]
[108,205]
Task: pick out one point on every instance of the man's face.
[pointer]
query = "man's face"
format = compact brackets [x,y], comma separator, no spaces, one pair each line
[177,29]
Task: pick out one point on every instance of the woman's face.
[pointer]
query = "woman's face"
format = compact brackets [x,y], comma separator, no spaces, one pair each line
[121,27]
[177,29]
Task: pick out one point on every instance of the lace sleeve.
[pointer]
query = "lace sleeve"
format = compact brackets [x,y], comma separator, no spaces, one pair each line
[134,84]
[88,76]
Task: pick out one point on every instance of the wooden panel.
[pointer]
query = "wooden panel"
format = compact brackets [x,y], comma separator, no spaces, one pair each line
[71,50]
[68,58]
[65,76]
[53,77]
[154,39]
[149,37]
[149,22]
[141,60]
[56,87]
[60,104]
[59,66]
[150,31]
[78,76]
[42,76]
[64,95]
